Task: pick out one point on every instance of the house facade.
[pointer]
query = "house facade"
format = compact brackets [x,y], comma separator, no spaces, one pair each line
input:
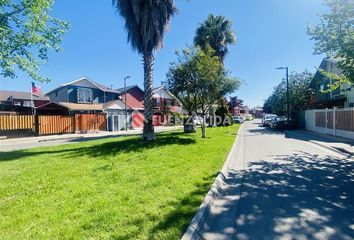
[118,115]
[165,104]
[236,106]
[83,91]
[134,97]
[342,97]
[83,96]
[22,99]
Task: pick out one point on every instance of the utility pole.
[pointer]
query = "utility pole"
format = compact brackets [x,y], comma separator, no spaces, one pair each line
[287,91]
[125,103]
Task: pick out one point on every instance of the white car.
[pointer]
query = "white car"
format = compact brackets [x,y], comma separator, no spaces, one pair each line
[267,119]
[197,121]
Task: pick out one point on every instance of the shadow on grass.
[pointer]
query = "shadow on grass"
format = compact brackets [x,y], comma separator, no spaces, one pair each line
[112,147]
[184,210]
[173,221]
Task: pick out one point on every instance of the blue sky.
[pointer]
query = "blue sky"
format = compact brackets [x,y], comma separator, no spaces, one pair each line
[270,33]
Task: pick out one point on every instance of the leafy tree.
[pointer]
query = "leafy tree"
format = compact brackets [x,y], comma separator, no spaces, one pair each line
[223,113]
[27,33]
[217,33]
[235,102]
[334,36]
[198,79]
[298,95]
[146,22]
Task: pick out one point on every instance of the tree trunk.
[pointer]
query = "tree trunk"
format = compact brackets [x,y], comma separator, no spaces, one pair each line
[203,127]
[188,124]
[148,132]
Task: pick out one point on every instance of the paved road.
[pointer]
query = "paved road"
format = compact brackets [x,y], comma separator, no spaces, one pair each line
[283,187]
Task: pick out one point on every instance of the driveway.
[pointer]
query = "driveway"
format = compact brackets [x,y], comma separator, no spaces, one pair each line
[284,187]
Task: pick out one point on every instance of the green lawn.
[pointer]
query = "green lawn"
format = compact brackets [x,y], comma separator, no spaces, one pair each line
[117,188]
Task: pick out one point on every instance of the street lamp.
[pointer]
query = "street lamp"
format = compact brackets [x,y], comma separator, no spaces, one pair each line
[287,90]
[125,102]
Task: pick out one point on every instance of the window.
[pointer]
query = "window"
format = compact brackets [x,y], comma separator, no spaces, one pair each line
[157,102]
[322,86]
[168,102]
[27,103]
[84,95]
[17,103]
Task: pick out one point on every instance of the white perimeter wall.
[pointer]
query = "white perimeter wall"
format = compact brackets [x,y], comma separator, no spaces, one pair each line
[310,121]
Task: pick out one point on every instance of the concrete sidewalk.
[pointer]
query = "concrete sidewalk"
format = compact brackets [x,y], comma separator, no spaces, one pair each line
[340,145]
[12,144]
[279,185]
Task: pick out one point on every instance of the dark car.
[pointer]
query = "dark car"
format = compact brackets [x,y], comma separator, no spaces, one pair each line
[282,124]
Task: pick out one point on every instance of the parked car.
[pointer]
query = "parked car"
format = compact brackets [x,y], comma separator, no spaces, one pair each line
[249,117]
[282,123]
[238,119]
[197,120]
[267,119]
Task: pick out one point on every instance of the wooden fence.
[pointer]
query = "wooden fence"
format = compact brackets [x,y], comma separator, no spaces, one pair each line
[90,122]
[343,119]
[16,122]
[56,124]
[49,124]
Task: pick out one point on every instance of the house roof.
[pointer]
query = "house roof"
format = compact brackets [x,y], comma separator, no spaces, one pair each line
[76,83]
[324,65]
[165,89]
[82,107]
[52,106]
[121,90]
[6,95]
[111,103]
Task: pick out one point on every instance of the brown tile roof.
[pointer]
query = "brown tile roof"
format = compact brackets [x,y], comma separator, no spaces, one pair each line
[82,107]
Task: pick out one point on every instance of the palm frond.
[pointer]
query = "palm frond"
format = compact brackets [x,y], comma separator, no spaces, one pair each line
[146,21]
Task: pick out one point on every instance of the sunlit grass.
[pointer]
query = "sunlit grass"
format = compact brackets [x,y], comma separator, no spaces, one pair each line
[118,188]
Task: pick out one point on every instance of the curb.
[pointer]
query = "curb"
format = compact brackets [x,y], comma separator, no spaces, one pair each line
[193,231]
[344,154]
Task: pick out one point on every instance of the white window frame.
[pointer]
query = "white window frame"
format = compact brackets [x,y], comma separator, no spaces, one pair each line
[27,104]
[84,95]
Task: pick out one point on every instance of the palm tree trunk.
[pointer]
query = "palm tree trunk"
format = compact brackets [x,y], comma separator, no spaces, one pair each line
[148,132]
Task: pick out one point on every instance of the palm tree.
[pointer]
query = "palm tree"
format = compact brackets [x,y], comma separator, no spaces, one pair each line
[216,32]
[146,22]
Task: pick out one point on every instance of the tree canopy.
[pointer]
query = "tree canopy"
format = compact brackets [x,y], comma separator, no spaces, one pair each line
[27,33]
[146,22]
[334,36]
[298,94]
[215,32]
[198,79]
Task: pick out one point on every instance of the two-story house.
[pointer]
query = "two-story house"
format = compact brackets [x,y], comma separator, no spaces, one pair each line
[341,97]
[83,96]
[165,104]
[134,97]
